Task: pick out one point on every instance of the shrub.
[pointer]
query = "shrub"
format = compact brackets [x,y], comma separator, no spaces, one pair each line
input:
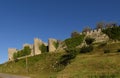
[56,44]
[106,51]
[89,40]
[66,58]
[113,33]
[43,48]
[21,53]
[74,42]
[75,34]
[86,49]
[15,55]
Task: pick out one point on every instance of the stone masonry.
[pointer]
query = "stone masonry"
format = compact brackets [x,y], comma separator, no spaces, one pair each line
[11,51]
[35,48]
[37,43]
[97,35]
[51,46]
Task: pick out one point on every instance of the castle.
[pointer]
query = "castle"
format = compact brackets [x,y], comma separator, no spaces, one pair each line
[35,50]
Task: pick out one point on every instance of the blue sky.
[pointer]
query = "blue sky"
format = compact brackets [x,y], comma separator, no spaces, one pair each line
[23,20]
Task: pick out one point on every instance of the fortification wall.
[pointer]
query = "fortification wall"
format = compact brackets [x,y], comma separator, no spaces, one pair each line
[97,35]
[11,52]
[37,43]
[51,44]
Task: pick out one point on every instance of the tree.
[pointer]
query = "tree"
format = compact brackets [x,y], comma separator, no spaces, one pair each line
[113,33]
[26,50]
[75,34]
[43,48]
[100,25]
[86,29]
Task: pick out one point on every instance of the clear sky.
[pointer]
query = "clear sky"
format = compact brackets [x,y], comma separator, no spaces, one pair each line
[23,20]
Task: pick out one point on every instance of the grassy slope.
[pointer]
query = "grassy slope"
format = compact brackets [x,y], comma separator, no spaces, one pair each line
[88,65]
[95,63]
[40,66]
[83,66]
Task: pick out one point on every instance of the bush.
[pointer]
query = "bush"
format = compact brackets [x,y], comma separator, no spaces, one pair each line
[75,34]
[56,44]
[66,58]
[86,49]
[106,51]
[21,53]
[113,33]
[89,40]
[74,42]
[43,48]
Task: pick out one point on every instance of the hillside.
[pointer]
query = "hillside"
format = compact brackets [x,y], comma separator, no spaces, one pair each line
[95,64]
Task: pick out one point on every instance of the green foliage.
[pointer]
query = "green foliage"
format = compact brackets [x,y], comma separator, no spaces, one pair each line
[103,76]
[66,58]
[75,34]
[56,44]
[86,49]
[113,33]
[21,53]
[43,48]
[89,40]
[26,50]
[15,55]
[74,42]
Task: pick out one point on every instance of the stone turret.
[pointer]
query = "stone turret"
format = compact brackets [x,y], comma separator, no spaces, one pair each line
[11,52]
[51,44]
[37,43]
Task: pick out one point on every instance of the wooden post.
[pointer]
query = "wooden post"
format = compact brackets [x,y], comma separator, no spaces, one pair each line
[26,64]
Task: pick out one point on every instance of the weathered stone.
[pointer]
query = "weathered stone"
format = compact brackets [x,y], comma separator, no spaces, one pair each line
[11,52]
[97,35]
[51,46]
[37,44]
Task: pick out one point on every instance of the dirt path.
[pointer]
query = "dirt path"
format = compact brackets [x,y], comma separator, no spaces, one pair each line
[11,76]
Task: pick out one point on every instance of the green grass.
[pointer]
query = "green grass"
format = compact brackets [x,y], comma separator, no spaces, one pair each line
[87,65]
[96,64]
[40,66]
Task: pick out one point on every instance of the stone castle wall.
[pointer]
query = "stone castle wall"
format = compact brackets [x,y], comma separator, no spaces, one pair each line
[37,43]
[51,46]
[11,51]
[35,50]
[98,35]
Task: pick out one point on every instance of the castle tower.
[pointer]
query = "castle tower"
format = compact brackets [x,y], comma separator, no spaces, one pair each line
[37,43]
[11,52]
[51,45]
